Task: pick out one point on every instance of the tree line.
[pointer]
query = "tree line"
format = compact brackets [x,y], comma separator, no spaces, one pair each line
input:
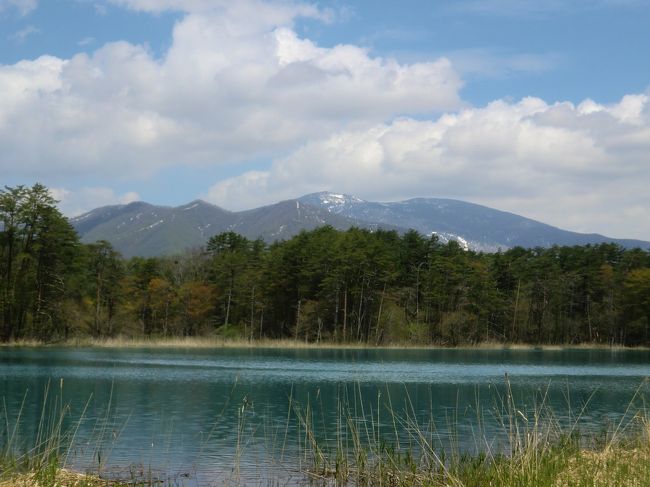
[355,286]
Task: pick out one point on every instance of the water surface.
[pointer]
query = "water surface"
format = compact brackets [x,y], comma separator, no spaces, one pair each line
[199,416]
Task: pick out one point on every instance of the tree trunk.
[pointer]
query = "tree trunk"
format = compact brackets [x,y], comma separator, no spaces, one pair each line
[359,316]
[514,315]
[381,304]
[228,307]
[252,311]
[336,311]
[98,304]
[345,313]
[297,321]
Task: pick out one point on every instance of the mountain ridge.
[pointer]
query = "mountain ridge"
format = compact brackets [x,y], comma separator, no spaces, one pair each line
[142,229]
[482,227]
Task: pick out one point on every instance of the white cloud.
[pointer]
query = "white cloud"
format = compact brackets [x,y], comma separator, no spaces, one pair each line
[499,63]
[510,8]
[492,7]
[583,168]
[237,83]
[23,7]
[76,202]
[101,9]
[86,41]
[20,36]
[166,5]
[262,10]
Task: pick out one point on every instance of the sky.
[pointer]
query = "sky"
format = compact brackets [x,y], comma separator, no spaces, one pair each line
[537,108]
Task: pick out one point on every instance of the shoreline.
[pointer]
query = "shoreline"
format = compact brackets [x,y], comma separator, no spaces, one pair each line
[287,344]
[560,463]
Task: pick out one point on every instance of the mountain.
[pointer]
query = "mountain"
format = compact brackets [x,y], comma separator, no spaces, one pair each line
[146,230]
[473,226]
[141,229]
[285,219]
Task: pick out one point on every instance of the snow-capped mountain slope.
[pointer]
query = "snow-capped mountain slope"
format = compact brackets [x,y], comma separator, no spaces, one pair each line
[146,230]
[473,226]
[332,202]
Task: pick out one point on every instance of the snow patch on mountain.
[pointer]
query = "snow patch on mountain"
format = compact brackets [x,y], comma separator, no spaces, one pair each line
[153,225]
[83,217]
[332,202]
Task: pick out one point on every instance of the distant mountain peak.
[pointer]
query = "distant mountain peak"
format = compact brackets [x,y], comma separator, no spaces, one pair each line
[332,202]
[342,197]
[197,203]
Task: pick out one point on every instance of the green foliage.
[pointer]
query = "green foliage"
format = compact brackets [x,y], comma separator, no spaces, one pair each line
[347,286]
[105,275]
[38,248]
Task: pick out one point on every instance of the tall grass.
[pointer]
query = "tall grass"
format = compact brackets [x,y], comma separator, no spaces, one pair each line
[43,457]
[373,442]
[534,447]
[43,461]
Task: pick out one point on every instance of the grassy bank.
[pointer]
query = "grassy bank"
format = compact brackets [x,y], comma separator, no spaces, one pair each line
[219,342]
[561,466]
[44,461]
[548,464]
[57,478]
[539,450]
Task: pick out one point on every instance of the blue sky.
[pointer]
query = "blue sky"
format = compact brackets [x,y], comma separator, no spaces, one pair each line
[540,108]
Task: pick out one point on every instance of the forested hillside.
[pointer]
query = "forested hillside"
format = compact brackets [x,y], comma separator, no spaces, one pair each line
[323,285]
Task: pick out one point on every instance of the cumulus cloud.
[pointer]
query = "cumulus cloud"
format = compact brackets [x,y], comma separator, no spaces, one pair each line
[76,202]
[581,167]
[237,83]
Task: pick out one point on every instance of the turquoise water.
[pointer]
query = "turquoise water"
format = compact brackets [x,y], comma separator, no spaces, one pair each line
[199,416]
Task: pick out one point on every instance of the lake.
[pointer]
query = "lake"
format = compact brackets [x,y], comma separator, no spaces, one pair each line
[205,416]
